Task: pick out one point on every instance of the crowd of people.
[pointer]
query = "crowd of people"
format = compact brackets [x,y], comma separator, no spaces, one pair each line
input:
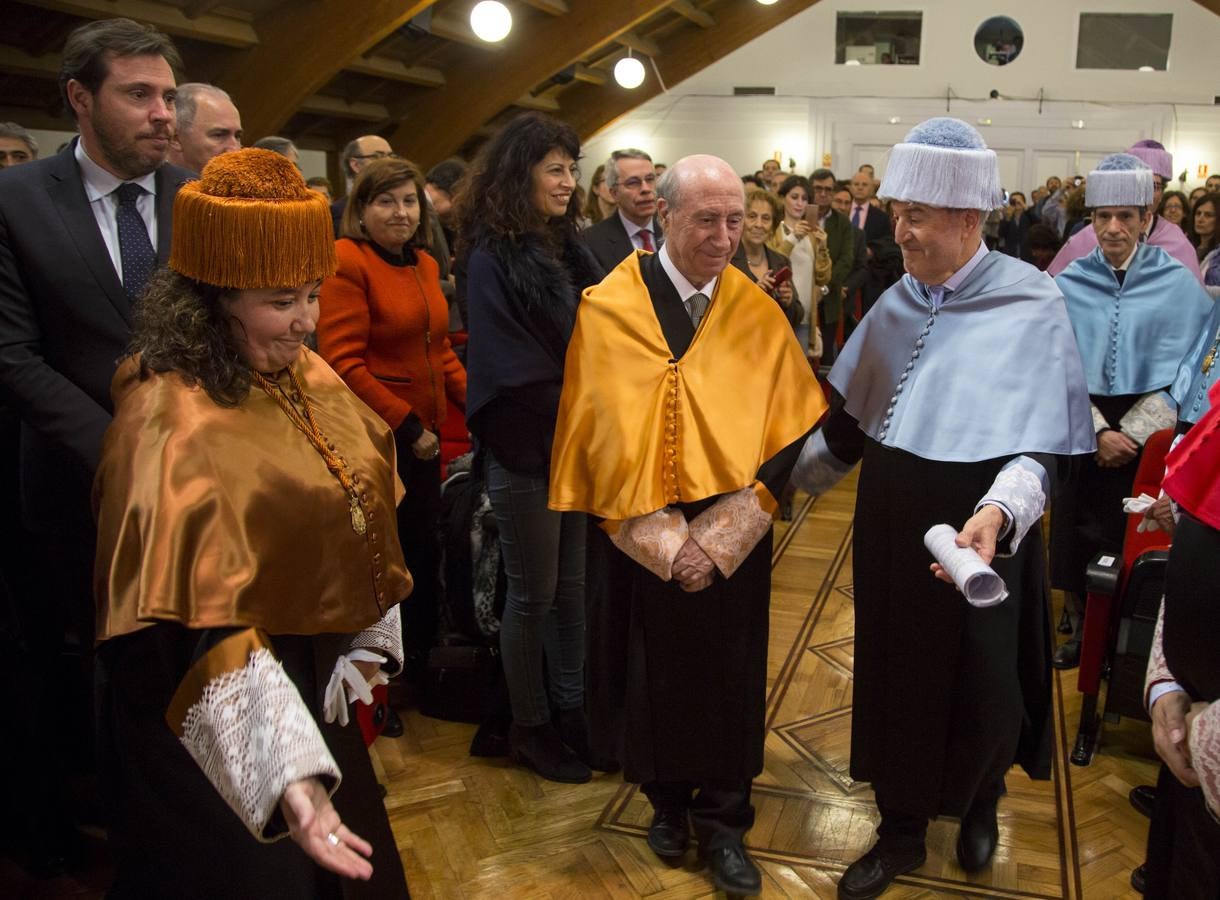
[225,394]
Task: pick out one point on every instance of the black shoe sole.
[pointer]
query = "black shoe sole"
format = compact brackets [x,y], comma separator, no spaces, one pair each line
[528,763]
[849,895]
[667,854]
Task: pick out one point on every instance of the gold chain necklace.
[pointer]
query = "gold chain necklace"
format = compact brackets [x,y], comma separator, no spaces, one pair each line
[309,427]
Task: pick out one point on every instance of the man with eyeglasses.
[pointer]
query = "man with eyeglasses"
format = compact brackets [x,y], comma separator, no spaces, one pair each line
[356,155]
[633,183]
[1159,232]
[842,246]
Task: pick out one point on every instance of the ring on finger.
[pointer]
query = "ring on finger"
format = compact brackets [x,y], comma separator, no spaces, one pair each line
[333,839]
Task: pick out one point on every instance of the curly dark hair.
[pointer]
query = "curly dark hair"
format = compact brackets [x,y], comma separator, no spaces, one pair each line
[181,326]
[495,201]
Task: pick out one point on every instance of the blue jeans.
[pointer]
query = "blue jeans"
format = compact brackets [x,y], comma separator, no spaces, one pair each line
[544,557]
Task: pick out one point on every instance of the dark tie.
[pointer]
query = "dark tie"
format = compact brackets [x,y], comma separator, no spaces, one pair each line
[646,239]
[696,306]
[1121,275]
[855,216]
[135,249]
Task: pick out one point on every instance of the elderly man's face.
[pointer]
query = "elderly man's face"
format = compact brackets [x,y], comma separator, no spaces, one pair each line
[935,242]
[1118,230]
[636,191]
[703,232]
[861,186]
[216,130]
[14,152]
[369,148]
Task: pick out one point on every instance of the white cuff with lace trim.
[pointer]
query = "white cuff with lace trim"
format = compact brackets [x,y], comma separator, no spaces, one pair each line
[1205,755]
[384,637]
[1020,490]
[1150,414]
[252,735]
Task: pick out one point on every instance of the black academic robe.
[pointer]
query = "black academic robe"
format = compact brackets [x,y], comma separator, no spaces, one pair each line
[946,696]
[677,680]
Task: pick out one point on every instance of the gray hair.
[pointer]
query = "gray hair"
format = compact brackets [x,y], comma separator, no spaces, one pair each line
[187,101]
[13,130]
[669,189]
[612,169]
[276,144]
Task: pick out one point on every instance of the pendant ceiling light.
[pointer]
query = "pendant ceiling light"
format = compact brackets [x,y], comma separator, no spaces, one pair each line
[491,21]
[629,72]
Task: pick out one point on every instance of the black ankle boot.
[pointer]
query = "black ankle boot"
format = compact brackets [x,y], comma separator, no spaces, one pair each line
[574,731]
[540,748]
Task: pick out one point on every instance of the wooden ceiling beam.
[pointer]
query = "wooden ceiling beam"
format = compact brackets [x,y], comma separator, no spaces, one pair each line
[437,124]
[209,27]
[17,62]
[689,11]
[553,7]
[338,108]
[37,119]
[589,108]
[302,47]
[1210,5]
[540,102]
[589,75]
[197,8]
[396,70]
[639,43]
[455,27]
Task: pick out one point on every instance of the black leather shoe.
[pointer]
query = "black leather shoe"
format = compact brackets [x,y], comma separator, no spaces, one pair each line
[733,871]
[873,872]
[1067,656]
[393,724]
[1139,878]
[669,833]
[539,747]
[574,732]
[1143,798]
[979,835]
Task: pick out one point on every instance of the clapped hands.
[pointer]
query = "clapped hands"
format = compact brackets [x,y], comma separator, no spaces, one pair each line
[693,569]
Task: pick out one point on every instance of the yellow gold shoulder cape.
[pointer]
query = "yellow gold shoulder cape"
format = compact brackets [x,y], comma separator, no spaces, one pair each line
[213,517]
[638,430]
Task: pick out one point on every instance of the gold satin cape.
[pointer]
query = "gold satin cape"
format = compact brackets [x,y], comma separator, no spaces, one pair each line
[214,517]
[639,430]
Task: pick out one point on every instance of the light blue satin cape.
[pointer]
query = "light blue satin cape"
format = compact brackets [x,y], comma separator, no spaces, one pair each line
[1190,388]
[1132,339]
[997,373]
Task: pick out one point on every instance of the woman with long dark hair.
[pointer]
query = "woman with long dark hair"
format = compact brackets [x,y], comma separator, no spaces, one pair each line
[1202,231]
[525,270]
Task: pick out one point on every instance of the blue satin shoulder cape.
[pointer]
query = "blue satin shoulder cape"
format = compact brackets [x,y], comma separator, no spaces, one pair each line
[1190,388]
[1132,339]
[997,372]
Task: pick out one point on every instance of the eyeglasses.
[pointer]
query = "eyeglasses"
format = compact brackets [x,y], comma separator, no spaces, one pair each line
[823,189]
[634,184]
[380,154]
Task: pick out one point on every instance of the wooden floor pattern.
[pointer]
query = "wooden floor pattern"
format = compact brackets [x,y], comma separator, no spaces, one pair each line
[478,828]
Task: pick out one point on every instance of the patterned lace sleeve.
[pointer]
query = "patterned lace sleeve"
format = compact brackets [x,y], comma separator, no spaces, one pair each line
[1020,490]
[385,637]
[244,723]
[1205,755]
[731,527]
[1099,421]
[1157,672]
[652,540]
[1151,413]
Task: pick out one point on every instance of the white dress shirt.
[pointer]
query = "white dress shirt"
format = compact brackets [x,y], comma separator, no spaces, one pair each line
[685,289]
[633,232]
[99,190]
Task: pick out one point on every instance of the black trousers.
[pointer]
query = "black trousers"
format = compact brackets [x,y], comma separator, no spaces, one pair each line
[1183,844]
[720,813]
[418,523]
[901,830]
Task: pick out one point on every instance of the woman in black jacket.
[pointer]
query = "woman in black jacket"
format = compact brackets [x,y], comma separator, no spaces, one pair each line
[525,269]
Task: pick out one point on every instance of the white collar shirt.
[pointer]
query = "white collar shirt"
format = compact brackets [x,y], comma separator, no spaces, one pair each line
[100,186]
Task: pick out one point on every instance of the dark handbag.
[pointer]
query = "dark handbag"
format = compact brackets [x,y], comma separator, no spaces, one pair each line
[464,681]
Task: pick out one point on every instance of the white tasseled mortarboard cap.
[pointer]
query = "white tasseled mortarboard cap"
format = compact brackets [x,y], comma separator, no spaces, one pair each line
[943,162]
[1119,180]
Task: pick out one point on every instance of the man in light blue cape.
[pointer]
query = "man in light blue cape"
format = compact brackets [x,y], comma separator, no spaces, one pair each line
[1136,313]
[963,393]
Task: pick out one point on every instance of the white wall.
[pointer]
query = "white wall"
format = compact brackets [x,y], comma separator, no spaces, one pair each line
[826,114]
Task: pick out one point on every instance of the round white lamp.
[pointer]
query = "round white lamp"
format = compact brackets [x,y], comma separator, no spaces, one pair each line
[491,21]
[768,2]
[629,72]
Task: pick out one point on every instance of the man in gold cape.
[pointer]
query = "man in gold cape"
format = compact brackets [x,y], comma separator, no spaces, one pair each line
[685,404]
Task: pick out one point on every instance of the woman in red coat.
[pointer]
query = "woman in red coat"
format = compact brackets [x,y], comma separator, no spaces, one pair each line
[384,327]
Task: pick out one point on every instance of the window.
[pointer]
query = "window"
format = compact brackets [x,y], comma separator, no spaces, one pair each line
[878,38]
[1124,41]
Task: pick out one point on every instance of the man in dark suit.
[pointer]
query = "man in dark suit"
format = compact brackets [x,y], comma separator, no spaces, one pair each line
[841,244]
[80,234]
[633,182]
[877,263]
[870,219]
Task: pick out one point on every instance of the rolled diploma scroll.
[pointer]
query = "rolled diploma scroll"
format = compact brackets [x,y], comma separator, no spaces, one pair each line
[973,577]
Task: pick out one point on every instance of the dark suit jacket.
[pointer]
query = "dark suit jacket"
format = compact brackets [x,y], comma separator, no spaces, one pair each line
[775,261]
[876,225]
[609,242]
[841,244]
[64,323]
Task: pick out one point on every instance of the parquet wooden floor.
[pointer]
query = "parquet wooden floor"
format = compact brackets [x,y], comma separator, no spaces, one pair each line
[479,828]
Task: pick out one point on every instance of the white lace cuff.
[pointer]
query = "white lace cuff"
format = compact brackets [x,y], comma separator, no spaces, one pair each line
[252,735]
[1020,490]
[1099,421]
[652,540]
[817,469]
[1205,755]
[730,528]
[1150,414]
[383,637]
[1157,672]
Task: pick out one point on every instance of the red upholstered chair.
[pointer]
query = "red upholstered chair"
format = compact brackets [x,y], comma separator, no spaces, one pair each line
[1124,595]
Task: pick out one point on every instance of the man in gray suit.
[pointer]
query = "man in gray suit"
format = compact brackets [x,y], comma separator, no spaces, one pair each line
[633,182]
[81,232]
